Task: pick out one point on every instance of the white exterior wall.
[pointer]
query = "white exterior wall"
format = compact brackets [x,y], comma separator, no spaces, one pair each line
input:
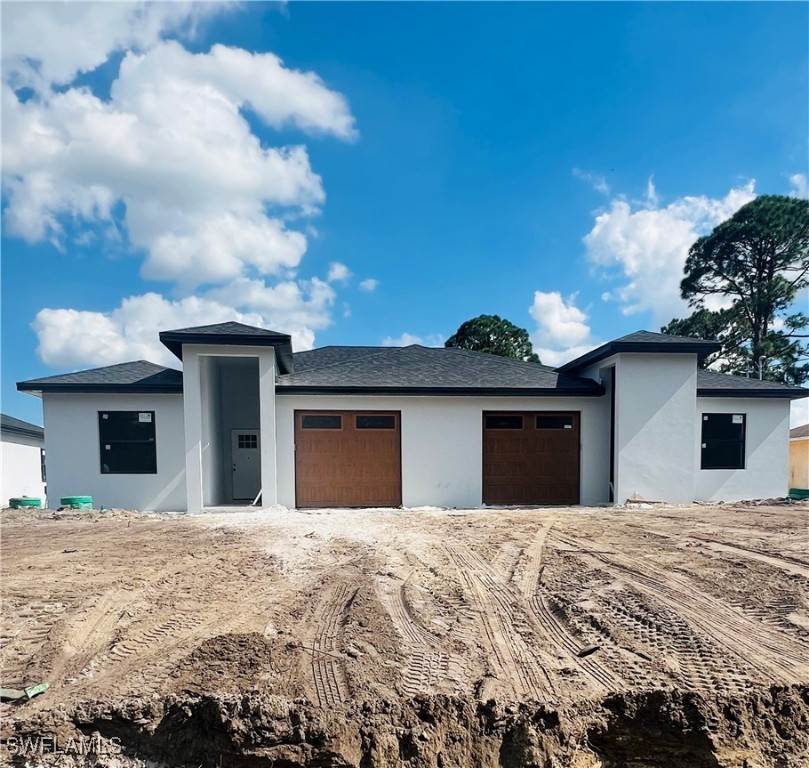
[442,442]
[766,472]
[71,441]
[21,460]
[655,426]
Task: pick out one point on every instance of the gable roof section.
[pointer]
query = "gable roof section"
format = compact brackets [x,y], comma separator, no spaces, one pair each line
[231,334]
[139,376]
[11,426]
[643,341]
[426,371]
[712,384]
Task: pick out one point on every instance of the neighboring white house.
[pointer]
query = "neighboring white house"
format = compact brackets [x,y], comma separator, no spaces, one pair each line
[22,459]
[412,426]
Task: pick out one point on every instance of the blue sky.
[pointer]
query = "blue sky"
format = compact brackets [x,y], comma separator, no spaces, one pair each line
[376,173]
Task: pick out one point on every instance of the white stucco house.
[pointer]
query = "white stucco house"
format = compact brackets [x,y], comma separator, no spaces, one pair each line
[412,426]
[22,459]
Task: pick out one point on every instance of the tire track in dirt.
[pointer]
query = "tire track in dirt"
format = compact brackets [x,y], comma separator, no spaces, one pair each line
[504,624]
[426,666]
[731,629]
[782,562]
[328,675]
[529,570]
[34,622]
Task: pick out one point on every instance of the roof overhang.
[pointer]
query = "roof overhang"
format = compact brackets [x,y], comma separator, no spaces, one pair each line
[700,347]
[174,341]
[37,388]
[595,391]
[755,394]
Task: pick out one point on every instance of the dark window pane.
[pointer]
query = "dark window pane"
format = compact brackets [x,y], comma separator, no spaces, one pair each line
[126,425]
[376,421]
[723,426]
[247,441]
[560,421]
[322,422]
[723,441]
[128,458]
[503,421]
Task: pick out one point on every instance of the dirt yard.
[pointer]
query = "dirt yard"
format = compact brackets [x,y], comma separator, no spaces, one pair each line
[666,636]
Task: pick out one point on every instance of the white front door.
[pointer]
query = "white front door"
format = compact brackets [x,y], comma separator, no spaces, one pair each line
[246,457]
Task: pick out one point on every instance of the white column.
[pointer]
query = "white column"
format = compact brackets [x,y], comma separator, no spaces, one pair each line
[266,401]
[192,414]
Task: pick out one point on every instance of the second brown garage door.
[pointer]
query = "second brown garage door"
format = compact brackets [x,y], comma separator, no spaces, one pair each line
[348,459]
[530,458]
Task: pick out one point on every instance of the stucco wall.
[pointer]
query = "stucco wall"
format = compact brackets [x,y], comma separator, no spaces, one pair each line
[22,468]
[655,430]
[71,440]
[766,452]
[442,442]
[799,463]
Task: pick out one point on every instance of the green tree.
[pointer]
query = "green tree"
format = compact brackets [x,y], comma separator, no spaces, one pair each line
[755,262]
[493,334]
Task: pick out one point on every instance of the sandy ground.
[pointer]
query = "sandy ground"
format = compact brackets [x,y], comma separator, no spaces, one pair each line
[551,605]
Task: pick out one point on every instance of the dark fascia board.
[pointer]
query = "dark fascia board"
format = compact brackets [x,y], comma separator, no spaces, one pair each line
[783,394]
[282,343]
[115,389]
[700,347]
[596,391]
[38,434]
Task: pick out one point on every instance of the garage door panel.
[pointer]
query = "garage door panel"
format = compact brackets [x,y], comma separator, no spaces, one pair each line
[537,464]
[358,465]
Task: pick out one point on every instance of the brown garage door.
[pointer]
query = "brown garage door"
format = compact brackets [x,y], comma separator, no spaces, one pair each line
[530,457]
[348,459]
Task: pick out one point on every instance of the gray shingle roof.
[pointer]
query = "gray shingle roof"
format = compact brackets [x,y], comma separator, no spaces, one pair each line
[138,376]
[12,426]
[232,334]
[643,341]
[416,369]
[798,432]
[712,384]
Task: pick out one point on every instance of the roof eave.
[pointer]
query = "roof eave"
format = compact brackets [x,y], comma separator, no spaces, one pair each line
[700,348]
[773,394]
[300,389]
[39,389]
[17,432]
[282,343]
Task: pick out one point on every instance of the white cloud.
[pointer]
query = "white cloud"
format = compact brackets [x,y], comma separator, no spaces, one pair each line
[799,413]
[369,285]
[169,166]
[562,331]
[595,180]
[51,42]
[645,246]
[338,273]
[71,338]
[406,339]
[800,185]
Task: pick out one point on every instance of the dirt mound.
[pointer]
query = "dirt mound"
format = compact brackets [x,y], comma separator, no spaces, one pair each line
[766,728]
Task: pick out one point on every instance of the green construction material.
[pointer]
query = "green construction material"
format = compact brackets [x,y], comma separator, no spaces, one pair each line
[14,694]
[77,502]
[799,493]
[25,501]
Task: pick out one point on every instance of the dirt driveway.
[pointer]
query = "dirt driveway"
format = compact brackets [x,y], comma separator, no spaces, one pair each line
[552,605]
